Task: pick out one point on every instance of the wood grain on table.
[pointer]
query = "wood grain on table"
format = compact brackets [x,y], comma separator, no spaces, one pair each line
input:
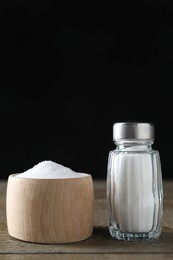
[100,245]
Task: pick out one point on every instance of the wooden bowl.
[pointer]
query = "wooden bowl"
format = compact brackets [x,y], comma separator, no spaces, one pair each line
[50,210]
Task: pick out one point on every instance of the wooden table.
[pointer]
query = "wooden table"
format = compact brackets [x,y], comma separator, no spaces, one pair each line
[100,245]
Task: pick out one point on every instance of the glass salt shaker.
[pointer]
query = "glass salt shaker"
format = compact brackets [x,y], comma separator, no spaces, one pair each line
[134,183]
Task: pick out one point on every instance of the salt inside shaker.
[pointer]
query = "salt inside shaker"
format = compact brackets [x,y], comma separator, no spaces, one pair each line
[134,183]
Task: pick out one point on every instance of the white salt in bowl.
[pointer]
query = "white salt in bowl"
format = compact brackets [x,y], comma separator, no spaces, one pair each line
[50,210]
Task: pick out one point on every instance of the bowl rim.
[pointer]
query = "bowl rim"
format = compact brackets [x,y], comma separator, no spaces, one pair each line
[84,175]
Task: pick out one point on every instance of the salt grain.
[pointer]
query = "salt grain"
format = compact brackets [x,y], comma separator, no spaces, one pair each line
[50,170]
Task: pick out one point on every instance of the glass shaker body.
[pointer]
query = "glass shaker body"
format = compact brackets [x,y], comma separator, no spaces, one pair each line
[134,190]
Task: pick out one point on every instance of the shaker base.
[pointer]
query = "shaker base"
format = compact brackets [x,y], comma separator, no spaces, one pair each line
[129,236]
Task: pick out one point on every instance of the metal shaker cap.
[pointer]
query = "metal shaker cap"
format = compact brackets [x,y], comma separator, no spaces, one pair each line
[133,131]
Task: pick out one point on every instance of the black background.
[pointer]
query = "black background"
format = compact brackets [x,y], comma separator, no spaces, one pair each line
[70,70]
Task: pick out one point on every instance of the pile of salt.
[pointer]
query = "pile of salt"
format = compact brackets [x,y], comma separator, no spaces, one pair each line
[50,170]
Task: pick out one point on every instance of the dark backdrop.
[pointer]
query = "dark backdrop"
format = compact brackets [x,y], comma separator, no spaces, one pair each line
[70,70]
